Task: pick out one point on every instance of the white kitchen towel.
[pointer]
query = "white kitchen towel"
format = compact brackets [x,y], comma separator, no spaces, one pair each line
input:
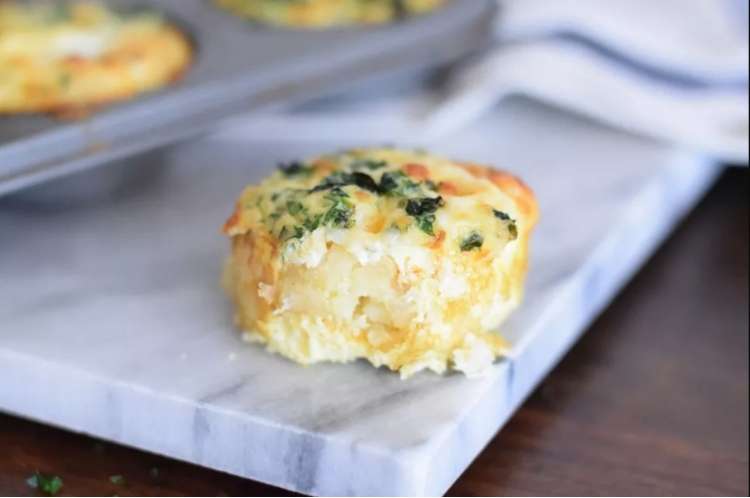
[674,70]
[700,40]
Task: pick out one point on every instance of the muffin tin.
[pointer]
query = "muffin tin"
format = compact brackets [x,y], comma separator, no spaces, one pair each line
[238,66]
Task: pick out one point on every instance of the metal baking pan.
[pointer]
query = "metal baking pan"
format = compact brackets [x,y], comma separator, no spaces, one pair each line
[238,66]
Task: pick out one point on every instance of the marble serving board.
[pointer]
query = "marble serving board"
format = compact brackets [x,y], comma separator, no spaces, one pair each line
[113,323]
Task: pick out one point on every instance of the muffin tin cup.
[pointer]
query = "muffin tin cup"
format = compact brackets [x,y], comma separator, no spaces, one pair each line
[85,189]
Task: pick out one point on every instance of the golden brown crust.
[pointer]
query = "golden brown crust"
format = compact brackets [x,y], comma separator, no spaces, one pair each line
[417,171]
[510,185]
[232,221]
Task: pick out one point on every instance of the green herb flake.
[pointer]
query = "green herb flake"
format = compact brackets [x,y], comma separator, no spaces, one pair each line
[512,227]
[117,480]
[47,484]
[365,182]
[289,233]
[397,183]
[389,182]
[295,207]
[154,472]
[425,205]
[426,224]
[295,168]
[423,211]
[340,213]
[473,241]
[501,215]
[370,164]
[336,194]
[513,230]
[312,223]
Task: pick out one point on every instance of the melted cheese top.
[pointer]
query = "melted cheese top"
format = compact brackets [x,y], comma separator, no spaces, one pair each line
[52,32]
[376,202]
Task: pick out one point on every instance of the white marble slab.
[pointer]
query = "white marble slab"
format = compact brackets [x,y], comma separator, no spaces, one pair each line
[112,321]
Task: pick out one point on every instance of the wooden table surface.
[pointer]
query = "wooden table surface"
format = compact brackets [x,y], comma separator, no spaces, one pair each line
[653,400]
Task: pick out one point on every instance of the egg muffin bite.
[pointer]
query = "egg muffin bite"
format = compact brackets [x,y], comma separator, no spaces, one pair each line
[327,13]
[404,259]
[67,57]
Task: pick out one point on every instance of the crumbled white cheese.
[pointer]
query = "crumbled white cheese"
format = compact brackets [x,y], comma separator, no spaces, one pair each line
[309,251]
[474,359]
[88,44]
[452,283]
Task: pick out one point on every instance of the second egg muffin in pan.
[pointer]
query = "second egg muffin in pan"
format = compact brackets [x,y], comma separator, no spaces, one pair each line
[319,14]
[67,58]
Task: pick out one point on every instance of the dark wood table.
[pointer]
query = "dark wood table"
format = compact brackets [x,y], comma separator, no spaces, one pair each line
[653,400]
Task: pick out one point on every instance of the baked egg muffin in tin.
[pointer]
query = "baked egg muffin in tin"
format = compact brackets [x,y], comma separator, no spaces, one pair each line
[68,57]
[404,259]
[327,13]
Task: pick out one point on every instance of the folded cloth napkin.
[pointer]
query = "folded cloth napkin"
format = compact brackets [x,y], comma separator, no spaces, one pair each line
[674,70]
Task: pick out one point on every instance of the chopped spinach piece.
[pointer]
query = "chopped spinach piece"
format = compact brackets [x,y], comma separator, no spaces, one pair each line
[47,484]
[392,183]
[512,227]
[339,217]
[295,168]
[513,230]
[365,182]
[397,183]
[295,207]
[288,233]
[425,205]
[312,223]
[423,210]
[473,241]
[500,215]
[335,179]
[340,213]
[336,194]
[389,182]
[117,480]
[370,164]
[342,179]
[426,223]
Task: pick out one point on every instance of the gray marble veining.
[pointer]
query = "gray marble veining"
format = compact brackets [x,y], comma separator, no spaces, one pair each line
[112,321]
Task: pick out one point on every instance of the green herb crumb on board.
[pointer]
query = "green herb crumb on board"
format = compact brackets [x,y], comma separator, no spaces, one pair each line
[45,483]
[117,480]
